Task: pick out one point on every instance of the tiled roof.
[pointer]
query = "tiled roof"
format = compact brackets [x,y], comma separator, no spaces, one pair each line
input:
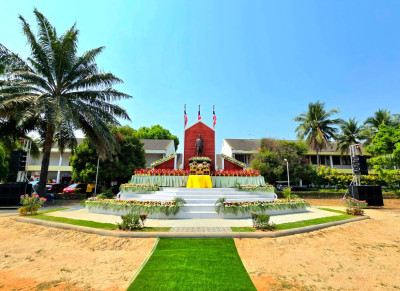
[156,144]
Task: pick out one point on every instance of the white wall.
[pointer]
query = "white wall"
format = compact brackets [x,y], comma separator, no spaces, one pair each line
[170,149]
[226,149]
[150,158]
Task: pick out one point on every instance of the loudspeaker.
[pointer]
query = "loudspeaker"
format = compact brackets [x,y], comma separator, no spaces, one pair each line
[10,193]
[360,166]
[371,194]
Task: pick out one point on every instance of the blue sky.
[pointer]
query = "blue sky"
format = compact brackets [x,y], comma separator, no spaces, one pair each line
[259,62]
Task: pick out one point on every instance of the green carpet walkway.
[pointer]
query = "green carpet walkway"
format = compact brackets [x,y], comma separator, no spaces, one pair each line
[194,264]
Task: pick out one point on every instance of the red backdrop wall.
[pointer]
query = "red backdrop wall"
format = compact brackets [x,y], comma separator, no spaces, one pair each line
[231,166]
[208,136]
[166,165]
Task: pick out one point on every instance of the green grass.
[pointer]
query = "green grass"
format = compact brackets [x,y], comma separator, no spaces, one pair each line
[51,210]
[332,210]
[242,229]
[314,221]
[94,224]
[194,264]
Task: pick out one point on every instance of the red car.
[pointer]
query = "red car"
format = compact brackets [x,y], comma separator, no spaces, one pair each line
[71,188]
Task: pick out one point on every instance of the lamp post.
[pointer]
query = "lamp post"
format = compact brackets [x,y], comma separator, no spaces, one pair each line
[287,166]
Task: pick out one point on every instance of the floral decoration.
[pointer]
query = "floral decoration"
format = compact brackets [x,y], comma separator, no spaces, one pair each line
[163,160]
[140,187]
[234,161]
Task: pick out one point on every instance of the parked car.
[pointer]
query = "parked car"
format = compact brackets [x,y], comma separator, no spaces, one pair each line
[71,188]
[54,188]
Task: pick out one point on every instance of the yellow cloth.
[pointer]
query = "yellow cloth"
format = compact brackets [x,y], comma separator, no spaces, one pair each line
[199,181]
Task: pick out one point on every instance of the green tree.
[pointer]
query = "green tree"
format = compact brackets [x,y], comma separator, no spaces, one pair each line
[270,160]
[350,133]
[316,126]
[157,132]
[3,164]
[372,123]
[57,92]
[120,167]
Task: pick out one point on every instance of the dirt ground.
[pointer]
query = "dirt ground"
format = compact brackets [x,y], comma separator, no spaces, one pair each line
[39,258]
[362,255]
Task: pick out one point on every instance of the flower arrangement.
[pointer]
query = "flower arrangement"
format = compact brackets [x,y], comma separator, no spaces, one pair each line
[163,160]
[136,206]
[256,188]
[161,172]
[200,159]
[30,204]
[139,187]
[236,173]
[354,206]
[234,161]
[258,206]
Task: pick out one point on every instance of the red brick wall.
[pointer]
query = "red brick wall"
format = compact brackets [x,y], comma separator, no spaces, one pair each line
[166,165]
[208,136]
[231,166]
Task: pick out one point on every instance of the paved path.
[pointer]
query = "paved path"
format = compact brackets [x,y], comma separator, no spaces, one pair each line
[201,229]
[78,212]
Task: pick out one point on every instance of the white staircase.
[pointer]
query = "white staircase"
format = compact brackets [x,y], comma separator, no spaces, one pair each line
[200,203]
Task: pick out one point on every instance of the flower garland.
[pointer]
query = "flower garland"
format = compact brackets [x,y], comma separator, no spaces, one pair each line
[234,161]
[236,173]
[167,207]
[200,159]
[161,172]
[258,206]
[139,187]
[163,160]
[256,188]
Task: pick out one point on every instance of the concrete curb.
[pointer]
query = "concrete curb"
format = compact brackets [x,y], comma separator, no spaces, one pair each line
[121,234]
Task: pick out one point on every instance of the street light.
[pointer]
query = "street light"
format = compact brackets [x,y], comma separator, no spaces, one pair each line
[287,166]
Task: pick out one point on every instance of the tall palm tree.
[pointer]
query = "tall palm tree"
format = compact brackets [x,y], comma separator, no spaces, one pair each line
[58,92]
[382,116]
[316,126]
[351,133]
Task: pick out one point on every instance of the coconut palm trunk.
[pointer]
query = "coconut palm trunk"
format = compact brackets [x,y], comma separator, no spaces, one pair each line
[48,144]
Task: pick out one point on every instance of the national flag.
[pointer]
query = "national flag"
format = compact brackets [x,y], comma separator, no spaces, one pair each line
[214,117]
[185,116]
[198,114]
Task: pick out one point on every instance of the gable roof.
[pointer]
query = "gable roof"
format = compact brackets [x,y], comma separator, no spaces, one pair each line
[156,144]
[198,123]
[247,145]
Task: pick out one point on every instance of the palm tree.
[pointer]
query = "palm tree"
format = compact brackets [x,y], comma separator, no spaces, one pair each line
[316,126]
[350,134]
[58,92]
[382,116]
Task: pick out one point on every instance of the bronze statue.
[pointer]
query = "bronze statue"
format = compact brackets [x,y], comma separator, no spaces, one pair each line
[199,146]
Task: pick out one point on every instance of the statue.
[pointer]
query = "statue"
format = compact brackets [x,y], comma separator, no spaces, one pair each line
[199,146]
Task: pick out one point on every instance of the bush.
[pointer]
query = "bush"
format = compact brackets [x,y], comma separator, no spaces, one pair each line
[354,206]
[132,221]
[69,196]
[29,210]
[261,221]
[107,194]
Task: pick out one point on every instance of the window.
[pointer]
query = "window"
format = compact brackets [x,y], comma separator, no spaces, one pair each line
[336,160]
[313,160]
[241,158]
[346,161]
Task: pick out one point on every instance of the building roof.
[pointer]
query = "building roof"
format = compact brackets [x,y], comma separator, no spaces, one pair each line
[247,145]
[252,145]
[156,144]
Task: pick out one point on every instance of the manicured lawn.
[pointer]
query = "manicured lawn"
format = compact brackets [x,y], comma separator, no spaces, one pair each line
[51,210]
[242,229]
[194,264]
[332,210]
[315,221]
[94,224]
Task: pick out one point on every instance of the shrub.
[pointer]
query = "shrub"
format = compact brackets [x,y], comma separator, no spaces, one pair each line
[102,196]
[29,210]
[107,194]
[261,221]
[132,221]
[354,206]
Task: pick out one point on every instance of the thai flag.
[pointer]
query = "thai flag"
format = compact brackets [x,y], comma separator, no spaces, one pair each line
[214,117]
[185,116]
[198,114]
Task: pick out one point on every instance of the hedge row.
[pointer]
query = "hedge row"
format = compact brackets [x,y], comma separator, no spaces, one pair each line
[324,195]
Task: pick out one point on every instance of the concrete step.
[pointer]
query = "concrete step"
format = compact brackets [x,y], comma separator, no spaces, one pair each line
[198,207]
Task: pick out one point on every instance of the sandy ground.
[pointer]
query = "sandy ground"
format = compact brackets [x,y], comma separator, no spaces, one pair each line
[38,258]
[362,255]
